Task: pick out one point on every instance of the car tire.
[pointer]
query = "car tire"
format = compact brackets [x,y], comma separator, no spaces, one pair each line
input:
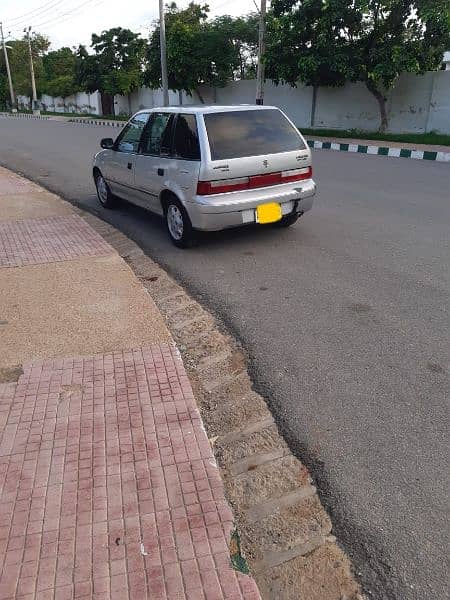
[179,226]
[104,194]
[288,220]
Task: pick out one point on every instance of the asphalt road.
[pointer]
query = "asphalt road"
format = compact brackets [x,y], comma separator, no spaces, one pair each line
[346,320]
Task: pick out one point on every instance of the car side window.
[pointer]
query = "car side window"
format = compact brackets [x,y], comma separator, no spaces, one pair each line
[157,138]
[129,138]
[186,144]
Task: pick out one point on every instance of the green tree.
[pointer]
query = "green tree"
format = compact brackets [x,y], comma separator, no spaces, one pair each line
[198,51]
[87,70]
[309,41]
[20,63]
[115,67]
[120,55]
[60,76]
[373,41]
[242,33]
[398,36]
[4,93]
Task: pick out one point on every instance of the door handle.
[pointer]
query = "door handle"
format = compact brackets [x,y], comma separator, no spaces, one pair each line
[184,172]
[129,165]
[160,172]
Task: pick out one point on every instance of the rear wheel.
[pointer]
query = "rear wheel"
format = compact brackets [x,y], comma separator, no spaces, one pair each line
[179,225]
[104,195]
[288,220]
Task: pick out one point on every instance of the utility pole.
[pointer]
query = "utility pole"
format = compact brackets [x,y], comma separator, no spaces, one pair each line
[260,70]
[8,71]
[162,42]
[35,107]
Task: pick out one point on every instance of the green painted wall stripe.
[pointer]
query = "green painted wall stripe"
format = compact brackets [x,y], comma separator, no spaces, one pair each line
[427,155]
[382,150]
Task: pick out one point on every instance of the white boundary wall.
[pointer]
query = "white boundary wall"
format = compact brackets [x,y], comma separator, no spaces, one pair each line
[417,104]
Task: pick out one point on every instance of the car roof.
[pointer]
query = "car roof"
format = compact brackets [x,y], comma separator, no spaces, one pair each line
[207,108]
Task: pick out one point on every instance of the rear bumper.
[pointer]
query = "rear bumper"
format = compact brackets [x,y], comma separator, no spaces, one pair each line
[209,213]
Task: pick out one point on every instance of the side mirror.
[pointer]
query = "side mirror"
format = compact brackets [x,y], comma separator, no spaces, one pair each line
[107,143]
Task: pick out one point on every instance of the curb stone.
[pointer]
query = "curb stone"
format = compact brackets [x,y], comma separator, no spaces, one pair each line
[68,119]
[24,116]
[380,150]
[284,531]
[98,122]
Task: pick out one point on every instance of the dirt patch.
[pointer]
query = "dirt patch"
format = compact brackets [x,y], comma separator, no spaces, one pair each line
[10,374]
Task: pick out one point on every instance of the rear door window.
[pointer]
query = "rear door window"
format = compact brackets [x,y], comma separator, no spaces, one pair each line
[157,138]
[185,144]
[241,133]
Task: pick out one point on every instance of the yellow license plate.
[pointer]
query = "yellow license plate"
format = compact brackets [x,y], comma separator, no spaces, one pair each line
[268,213]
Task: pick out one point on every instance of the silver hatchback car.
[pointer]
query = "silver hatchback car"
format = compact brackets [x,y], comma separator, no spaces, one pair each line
[208,168]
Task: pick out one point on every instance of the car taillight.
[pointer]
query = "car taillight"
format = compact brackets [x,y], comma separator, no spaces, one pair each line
[206,188]
[296,174]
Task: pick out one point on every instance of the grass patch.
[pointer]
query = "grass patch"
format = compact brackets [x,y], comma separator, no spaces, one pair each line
[440,139]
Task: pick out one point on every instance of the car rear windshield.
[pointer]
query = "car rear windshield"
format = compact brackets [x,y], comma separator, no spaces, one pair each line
[240,133]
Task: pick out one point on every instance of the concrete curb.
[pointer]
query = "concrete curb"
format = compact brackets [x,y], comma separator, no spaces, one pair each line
[24,116]
[63,118]
[380,150]
[98,122]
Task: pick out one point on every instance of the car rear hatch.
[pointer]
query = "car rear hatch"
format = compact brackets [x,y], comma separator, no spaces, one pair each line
[252,149]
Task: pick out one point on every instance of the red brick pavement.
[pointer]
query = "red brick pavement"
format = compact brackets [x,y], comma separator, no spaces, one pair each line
[109,488]
[48,239]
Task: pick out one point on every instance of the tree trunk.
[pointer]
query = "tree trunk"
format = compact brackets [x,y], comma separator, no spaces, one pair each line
[313,105]
[180,97]
[197,91]
[107,101]
[381,104]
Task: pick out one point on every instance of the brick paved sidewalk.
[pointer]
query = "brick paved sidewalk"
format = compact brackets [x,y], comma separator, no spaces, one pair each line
[109,485]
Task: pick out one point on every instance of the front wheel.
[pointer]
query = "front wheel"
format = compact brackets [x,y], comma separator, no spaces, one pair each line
[104,195]
[179,225]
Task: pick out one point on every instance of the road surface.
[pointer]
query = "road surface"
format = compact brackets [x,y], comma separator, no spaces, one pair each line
[346,319]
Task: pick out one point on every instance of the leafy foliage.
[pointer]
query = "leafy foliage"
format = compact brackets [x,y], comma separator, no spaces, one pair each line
[87,70]
[59,69]
[4,91]
[116,67]
[328,42]
[20,63]
[120,54]
[201,51]
[308,42]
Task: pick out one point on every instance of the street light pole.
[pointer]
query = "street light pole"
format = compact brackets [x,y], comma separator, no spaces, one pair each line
[260,70]
[35,107]
[162,42]
[8,71]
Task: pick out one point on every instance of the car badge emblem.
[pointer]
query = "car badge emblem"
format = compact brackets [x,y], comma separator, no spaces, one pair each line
[265,163]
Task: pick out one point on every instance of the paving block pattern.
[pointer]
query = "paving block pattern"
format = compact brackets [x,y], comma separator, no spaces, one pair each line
[109,488]
[48,239]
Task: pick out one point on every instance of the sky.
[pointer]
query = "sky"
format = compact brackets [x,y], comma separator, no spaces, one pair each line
[69,22]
